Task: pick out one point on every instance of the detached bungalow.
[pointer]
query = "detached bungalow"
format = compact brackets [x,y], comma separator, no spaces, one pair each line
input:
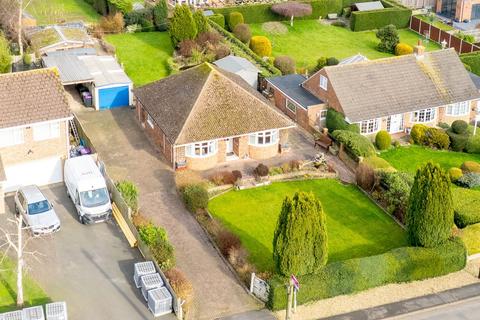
[204,116]
[391,94]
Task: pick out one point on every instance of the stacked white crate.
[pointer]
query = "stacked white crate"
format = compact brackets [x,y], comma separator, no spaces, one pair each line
[56,311]
[142,269]
[149,282]
[14,315]
[159,301]
[33,313]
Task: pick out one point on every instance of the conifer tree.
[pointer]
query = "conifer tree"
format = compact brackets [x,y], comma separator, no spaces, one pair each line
[182,26]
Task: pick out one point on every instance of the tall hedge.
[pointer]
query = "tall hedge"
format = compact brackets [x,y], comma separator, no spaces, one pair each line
[124,6]
[200,21]
[182,25]
[472,60]
[300,238]
[234,18]
[395,266]
[429,218]
[160,15]
[336,121]
[376,19]
[357,144]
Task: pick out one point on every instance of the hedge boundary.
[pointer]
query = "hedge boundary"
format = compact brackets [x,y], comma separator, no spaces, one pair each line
[395,266]
[472,60]
[393,13]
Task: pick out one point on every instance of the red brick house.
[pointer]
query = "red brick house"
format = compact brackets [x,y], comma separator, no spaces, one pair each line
[204,116]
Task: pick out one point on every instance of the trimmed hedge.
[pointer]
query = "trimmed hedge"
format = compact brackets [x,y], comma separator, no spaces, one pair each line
[376,19]
[395,266]
[466,207]
[218,19]
[234,18]
[357,144]
[261,45]
[472,60]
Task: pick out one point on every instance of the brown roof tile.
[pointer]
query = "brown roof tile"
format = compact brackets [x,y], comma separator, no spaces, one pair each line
[30,97]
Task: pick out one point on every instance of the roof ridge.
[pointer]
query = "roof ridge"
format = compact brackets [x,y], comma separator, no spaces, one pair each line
[21,73]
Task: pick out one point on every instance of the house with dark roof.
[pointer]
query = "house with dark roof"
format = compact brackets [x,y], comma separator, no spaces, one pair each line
[395,93]
[205,116]
[34,131]
[241,67]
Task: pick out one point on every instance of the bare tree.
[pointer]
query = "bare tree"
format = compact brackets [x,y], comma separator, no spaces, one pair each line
[14,240]
[11,19]
[292,9]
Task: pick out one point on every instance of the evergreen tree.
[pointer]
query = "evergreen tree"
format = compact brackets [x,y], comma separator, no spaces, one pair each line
[429,218]
[389,38]
[182,25]
[160,15]
[300,239]
[200,21]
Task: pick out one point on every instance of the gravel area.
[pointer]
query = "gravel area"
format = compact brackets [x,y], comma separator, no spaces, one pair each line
[386,294]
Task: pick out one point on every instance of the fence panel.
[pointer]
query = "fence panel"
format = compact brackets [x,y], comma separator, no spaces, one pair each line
[455,43]
[466,47]
[435,34]
[424,29]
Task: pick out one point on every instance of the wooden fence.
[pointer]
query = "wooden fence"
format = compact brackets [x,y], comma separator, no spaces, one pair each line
[437,35]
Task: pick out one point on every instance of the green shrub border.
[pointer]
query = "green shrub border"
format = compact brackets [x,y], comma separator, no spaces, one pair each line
[395,266]
[472,60]
[393,13]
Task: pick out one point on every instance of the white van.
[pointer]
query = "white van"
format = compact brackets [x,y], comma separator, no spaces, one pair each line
[87,188]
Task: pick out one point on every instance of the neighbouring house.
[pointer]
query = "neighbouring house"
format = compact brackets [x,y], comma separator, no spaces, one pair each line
[367,6]
[458,9]
[395,93]
[241,67]
[353,59]
[102,75]
[204,116]
[34,128]
[66,36]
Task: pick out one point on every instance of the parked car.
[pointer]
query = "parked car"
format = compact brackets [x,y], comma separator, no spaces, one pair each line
[87,188]
[36,211]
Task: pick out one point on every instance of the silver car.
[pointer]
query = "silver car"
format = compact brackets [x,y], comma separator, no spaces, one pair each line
[36,211]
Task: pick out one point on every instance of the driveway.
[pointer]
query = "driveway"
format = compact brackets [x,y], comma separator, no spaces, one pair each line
[89,267]
[123,147]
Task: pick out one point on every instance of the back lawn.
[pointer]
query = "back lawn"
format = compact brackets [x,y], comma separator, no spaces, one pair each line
[309,40]
[144,55]
[410,158]
[356,226]
[56,11]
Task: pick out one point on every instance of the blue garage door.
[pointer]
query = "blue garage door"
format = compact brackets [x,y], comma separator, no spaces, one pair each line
[113,97]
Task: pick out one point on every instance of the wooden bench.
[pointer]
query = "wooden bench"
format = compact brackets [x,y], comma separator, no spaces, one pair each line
[124,226]
[323,141]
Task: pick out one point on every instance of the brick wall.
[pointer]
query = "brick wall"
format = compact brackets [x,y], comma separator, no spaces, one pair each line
[35,150]
[261,153]
[329,96]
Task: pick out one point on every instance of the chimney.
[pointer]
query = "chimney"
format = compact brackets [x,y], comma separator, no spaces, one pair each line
[419,50]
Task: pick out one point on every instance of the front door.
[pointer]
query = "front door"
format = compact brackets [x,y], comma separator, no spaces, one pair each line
[229,146]
[395,123]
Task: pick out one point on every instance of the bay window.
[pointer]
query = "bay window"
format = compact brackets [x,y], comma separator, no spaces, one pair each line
[202,149]
[425,115]
[264,138]
[458,109]
[369,126]
[11,137]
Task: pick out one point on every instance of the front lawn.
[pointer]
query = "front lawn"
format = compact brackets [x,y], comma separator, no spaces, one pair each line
[356,226]
[470,236]
[410,158]
[144,55]
[309,40]
[33,294]
[55,11]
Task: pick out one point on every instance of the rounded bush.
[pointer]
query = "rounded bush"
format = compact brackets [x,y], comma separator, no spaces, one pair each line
[195,197]
[321,62]
[261,46]
[242,32]
[234,19]
[332,61]
[285,64]
[402,49]
[458,141]
[459,126]
[436,138]
[383,140]
[261,170]
[471,166]
[417,135]
[473,144]
[455,174]
[218,19]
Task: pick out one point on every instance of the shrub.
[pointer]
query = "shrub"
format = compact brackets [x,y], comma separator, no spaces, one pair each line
[417,134]
[261,46]
[472,60]
[163,253]
[200,21]
[466,203]
[261,170]
[150,234]
[160,15]
[383,140]
[335,120]
[234,19]
[226,241]
[397,186]
[321,62]
[292,9]
[182,25]
[469,180]
[237,175]
[285,64]
[129,192]
[181,285]
[365,176]
[113,23]
[389,38]
[136,17]
[458,142]
[471,166]
[357,144]
[436,138]
[218,19]
[186,47]
[395,266]
[123,6]
[455,174]
[101,6]
[300,238]
[195,197]
[210,37]
[339,23]
[429,216]
[294,165]
[221,51]
[273,171]
[443,125]
[27,59]
[228,177]
[403,49]
[378,163]
[473,144]
[459,126]
[332,61]
[242,32]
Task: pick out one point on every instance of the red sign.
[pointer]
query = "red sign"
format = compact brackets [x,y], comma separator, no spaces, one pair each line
[296,284]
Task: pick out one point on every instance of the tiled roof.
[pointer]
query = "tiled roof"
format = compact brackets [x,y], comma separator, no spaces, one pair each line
[205,103]
[291,85]
[30,97]
[354,59]
[379,88]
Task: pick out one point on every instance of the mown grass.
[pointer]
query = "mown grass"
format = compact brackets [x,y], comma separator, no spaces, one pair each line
[56,11]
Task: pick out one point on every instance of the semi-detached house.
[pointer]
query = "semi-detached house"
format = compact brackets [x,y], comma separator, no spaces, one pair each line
[389,94]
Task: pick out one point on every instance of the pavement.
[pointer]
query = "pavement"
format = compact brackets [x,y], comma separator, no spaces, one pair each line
[122,145]
[88,266]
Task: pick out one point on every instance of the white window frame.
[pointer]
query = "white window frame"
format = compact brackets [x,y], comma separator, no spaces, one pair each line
[289,104]
[370,125]
[11,137]
[323,114]
[458,109]
[323,82]
[150,120]
[202,149]
[429,115]
[46,131]
[259,139]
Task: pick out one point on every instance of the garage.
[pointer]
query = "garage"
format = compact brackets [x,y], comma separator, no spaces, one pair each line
[40,172]
[113,97]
